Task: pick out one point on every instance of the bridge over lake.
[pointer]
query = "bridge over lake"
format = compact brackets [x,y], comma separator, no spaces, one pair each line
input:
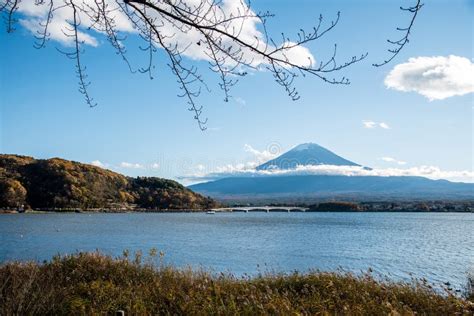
[267,209]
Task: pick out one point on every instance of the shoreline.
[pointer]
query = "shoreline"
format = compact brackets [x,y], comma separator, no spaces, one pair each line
[68,211]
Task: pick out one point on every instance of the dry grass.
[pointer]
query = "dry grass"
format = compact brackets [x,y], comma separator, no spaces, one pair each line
[92,283]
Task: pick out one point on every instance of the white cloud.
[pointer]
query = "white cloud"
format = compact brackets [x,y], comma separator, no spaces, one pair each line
[393,160]
[248,169]
[188,43]
[435,78]
[299,55]
[369,124]
[384,125]
[155,166]
[262,156]
[240,101]
[202,172]
[34,15]
[200,167]
[242,170]
[372,124]
[55,30]
[97,163]
[129,165]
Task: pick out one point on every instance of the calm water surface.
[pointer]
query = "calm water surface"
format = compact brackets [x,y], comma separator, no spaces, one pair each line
[439,247]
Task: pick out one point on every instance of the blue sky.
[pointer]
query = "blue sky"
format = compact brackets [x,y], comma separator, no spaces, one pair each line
[140,127]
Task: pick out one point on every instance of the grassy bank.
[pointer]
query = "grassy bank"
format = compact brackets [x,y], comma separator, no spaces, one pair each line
[96,284]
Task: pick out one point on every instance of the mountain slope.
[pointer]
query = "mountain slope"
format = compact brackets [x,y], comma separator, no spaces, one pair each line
[324,187]
[59,183]
[328,186]
[306,154]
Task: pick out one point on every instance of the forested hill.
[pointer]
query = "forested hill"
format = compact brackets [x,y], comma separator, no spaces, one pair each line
[59,183]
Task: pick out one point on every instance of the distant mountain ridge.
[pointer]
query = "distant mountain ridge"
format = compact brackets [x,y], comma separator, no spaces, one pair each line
[305,155]
[334,187]
[58,183]
[278,187]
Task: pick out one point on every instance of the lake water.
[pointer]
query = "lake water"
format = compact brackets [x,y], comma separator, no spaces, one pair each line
[438,246]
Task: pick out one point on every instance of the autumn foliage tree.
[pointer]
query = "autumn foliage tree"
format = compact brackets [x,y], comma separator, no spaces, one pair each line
[63,184]
[12,193]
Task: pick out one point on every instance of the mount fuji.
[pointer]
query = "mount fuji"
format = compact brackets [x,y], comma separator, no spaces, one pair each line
[322,187]
[305,155]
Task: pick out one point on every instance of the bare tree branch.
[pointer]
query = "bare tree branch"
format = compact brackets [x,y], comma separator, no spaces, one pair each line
[151,49]
[105,22]
[43,35]
[9,8]
[399,44]
[186,77]
[181,28]
[76,55]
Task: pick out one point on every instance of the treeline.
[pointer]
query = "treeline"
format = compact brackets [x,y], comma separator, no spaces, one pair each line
[387,206]
[335,207]
[62,184]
